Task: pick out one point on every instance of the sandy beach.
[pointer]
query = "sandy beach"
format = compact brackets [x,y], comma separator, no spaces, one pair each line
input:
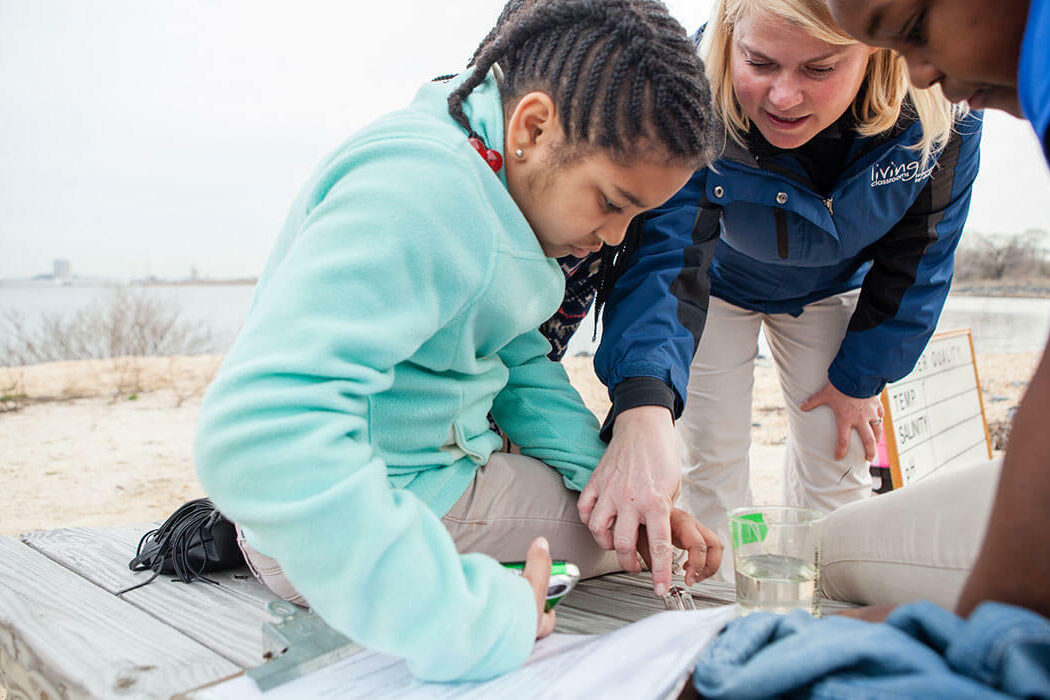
[104,442]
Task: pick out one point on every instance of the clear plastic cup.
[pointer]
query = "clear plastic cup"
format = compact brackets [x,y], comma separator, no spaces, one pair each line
[776,553]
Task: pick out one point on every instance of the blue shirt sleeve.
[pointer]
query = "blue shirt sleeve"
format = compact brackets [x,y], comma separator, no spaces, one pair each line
[1032,86]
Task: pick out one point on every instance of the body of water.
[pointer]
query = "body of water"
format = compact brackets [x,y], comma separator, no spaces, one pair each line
[219,307]
[999,324]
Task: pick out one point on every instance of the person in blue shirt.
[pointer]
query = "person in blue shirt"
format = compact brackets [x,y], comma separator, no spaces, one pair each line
[996,57]
[829,223]
[998,642]
[347,432]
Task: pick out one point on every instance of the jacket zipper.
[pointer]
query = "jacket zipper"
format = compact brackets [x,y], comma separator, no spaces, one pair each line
[782,234]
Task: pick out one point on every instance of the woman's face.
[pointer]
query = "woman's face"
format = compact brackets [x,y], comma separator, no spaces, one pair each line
[788,83]
[970,47]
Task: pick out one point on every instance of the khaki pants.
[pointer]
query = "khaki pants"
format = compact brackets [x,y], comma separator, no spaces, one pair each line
[918,542]
[512,500]
[715,428]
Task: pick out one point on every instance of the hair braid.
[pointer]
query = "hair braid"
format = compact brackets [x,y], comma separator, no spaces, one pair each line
[508,9]
[561,53]
[636,97]
[550,49]
[571,116]
[623,75]
[618,103]
[589,91]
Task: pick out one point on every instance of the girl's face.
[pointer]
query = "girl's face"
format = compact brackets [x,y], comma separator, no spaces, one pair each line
[788,83]
[575,206]
[970,47]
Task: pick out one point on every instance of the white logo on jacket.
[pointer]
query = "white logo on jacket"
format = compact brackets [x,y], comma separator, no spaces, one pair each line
[902,172]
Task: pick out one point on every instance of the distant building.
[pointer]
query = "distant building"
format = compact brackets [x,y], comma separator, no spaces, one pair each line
[62,270]
[194,275]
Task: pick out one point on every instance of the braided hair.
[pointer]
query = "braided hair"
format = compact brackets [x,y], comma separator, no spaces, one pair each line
[623,74]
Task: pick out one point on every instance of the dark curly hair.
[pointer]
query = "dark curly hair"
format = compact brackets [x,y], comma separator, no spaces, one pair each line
[623,74]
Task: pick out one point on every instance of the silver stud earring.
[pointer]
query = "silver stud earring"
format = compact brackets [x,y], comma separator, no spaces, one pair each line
[519,153]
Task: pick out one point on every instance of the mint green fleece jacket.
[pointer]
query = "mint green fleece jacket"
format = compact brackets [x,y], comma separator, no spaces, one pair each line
[399,307]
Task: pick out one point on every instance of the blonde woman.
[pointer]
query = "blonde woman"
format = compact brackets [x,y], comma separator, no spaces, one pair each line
[830,222]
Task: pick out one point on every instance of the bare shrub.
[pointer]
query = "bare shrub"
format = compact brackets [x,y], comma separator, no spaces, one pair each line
[12,389]
[998,257]
[126,324]
[186,387]
[128,372]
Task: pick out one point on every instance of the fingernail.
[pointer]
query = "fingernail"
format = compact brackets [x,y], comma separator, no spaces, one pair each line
[543,544]
[661,589]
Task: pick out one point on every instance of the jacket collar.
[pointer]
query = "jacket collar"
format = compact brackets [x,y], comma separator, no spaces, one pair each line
[483,108]
[738,154]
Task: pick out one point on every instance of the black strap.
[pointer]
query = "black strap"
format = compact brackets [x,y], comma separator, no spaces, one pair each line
[195,539]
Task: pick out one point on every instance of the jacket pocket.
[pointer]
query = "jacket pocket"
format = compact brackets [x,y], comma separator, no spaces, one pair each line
[460,441]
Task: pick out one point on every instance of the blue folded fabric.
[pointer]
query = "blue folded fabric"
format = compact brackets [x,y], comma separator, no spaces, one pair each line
[920,651]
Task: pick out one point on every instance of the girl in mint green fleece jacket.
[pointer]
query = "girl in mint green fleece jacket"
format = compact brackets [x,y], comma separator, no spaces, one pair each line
[400,308]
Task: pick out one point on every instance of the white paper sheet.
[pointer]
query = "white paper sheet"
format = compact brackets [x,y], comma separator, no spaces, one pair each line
[647,659]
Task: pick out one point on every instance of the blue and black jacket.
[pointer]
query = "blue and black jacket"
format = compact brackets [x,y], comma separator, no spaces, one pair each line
[757,233]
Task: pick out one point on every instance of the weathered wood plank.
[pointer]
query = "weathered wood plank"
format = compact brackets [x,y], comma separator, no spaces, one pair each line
[603,604]
[705,594]
[65,637]
[226,618]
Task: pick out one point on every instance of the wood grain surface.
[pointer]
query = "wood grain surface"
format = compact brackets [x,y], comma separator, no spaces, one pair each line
[62,636]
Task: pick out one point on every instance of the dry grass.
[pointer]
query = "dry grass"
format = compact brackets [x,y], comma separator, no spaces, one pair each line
[122,328]
[185,377]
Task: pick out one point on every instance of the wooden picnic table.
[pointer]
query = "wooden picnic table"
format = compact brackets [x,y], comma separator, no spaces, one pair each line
[63,632]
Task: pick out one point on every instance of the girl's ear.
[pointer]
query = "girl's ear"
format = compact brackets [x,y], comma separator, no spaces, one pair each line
[533,124]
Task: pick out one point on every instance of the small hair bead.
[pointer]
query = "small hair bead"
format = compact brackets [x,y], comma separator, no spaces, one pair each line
[493,158]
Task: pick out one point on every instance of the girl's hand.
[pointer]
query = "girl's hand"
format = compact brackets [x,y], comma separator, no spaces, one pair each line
[538,574]
[704,547]
[862,415]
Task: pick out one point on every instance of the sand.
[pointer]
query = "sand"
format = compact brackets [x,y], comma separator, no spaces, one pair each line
[105,442]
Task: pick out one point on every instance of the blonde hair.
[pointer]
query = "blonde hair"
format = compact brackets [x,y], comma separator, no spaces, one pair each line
[878,104]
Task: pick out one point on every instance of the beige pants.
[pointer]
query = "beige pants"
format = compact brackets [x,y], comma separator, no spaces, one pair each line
[920,541]
[512,500]
[715,428]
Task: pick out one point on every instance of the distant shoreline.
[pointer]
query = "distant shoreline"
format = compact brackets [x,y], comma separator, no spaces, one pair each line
[1023,289]
[95,283]
[247,281]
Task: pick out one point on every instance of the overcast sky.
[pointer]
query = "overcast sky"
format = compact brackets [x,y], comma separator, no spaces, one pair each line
[145,137]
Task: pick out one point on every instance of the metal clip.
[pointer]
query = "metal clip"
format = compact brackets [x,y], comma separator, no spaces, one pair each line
[299,643]
[679,598]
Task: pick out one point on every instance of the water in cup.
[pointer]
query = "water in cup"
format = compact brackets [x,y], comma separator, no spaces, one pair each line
[774,583]
[776,550]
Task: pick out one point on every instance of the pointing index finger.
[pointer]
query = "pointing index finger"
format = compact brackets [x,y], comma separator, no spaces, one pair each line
[658,530]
